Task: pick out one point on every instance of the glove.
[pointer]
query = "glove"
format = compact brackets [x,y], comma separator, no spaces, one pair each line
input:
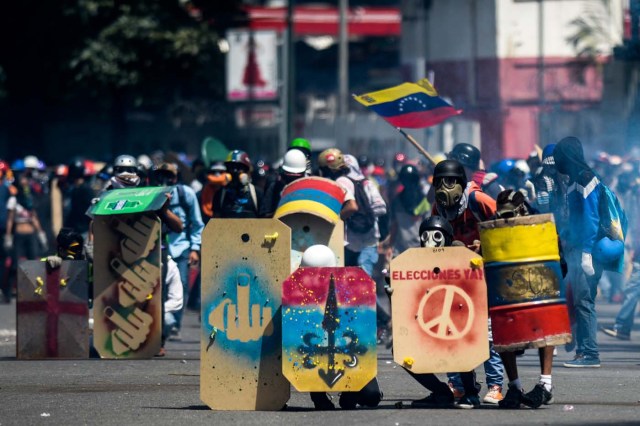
[54,261]
[587,264]
[8,242]
[42,237]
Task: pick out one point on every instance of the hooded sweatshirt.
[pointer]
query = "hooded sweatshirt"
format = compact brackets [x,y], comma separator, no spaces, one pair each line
[583,195]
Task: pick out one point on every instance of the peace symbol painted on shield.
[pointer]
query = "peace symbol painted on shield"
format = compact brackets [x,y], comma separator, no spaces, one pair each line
[446,299]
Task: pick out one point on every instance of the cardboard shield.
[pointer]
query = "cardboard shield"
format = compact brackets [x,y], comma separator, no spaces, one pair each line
[329,329]
[244,262]
[52,310]
[127,306]
[311,208]
[439,310]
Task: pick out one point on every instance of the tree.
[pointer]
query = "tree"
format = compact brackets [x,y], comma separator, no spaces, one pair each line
[123,53]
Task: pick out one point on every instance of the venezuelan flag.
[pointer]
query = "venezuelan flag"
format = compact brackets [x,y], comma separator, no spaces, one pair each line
[411,105]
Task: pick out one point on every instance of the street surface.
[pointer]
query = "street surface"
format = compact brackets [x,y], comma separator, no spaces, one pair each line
[165,391]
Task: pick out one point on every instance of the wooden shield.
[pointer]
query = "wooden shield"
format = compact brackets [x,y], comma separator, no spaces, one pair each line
[127,305]
[311,208]
[439,310]
[329,329]
[52,309]
[244,262]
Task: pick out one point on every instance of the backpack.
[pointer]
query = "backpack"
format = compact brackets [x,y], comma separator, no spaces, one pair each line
[613,219]
[364,219]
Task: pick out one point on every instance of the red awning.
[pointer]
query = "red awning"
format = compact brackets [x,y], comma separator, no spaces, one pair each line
[320,20]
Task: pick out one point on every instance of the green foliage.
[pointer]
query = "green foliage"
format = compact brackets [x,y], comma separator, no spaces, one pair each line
[592,31]
[142,45]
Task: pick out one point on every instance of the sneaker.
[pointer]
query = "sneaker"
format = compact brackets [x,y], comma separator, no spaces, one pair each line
[162,352]
[583,362]
[435,400]
[538,396]
[494,395]
[468,402]
[512,399]
[616,333]
[457,393]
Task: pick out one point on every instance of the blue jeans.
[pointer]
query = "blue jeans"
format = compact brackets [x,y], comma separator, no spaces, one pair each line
[493,371]
[169,322]
[584,291]
[624,320]
[366,259]
[183,267]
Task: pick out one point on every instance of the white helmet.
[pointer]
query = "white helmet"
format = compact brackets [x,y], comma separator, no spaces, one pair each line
[294,161]
[125,161]
[522,166]
[31,162]
[318,256]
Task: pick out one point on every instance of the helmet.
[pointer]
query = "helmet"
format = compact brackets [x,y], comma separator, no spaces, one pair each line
[5,170]
[608,250]
[547,155]
[318,256]
[301,143]
[450,168]
[467,154]
[435,231]
[332,158]
[238,157]
[294,161]
[76,169]
[31,162]
[125,161]
[522,167]
[144,162]
[409,175]
[125,164]
[503,167]
[18,165]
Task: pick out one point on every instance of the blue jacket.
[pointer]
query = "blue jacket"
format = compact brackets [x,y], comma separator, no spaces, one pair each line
[191,236]
[583,196]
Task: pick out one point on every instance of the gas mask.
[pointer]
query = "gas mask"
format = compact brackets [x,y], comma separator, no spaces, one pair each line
[449,193]
[432,238]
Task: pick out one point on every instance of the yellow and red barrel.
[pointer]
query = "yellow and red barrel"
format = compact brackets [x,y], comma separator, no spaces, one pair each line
[526,292]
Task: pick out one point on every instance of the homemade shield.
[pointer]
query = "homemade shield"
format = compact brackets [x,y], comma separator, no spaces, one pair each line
[527,301]
[439,310]
[52,310]
[244,262]
[329,329]
[311,208]
[127,270]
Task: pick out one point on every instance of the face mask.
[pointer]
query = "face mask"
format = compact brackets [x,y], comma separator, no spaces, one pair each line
[433,238]
[448,193]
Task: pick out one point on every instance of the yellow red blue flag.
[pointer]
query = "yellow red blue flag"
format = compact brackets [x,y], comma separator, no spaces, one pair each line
[411,105]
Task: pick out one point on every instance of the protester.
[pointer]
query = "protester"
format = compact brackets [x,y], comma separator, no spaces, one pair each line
[238,199]
[583,196]
[184,246]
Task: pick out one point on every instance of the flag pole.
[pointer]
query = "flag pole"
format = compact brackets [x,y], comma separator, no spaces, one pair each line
[417,145]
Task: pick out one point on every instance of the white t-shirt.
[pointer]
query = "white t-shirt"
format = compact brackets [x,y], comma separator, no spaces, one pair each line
[175,292]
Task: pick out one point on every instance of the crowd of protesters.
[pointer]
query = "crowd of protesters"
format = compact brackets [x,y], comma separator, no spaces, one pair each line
[39,203]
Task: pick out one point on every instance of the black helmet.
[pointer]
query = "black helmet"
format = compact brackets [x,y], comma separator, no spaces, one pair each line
[76,169]
[439,223]
[409,175]
[450,168]
[467,154]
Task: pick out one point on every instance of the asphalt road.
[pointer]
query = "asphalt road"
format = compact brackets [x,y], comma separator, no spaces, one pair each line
[166,391]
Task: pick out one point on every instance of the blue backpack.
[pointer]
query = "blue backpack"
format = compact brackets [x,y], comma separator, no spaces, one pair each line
[612,230]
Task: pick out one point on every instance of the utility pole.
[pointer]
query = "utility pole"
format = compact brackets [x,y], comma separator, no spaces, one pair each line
[343,69]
